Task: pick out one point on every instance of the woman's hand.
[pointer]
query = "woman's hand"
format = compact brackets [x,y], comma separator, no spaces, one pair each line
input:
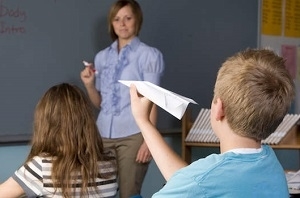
[143,155]
[87,75]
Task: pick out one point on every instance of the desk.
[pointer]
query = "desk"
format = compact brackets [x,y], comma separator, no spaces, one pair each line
[290,141]
[294,193]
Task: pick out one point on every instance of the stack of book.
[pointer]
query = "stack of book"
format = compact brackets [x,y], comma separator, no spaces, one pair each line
[201,130]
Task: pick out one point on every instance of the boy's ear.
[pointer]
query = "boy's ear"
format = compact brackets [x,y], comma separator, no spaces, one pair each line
[219,111]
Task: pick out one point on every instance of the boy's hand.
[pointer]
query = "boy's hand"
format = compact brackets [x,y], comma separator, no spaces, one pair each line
[140,105]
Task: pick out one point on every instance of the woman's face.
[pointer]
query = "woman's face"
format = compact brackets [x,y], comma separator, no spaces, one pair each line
[124,23]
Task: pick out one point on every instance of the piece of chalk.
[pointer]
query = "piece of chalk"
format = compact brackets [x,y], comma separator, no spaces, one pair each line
[95,71]
[85,63]
[88,64]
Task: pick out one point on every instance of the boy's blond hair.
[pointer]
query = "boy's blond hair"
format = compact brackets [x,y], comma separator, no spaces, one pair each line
[256,91]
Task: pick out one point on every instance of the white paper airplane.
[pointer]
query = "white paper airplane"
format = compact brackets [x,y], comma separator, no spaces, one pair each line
[173,103]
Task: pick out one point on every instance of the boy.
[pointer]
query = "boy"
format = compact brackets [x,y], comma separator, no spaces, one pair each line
[252,94]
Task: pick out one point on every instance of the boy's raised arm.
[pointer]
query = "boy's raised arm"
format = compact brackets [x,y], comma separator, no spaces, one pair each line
[166,159]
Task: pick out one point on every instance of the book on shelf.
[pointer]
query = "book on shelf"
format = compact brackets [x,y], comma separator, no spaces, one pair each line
[201,130]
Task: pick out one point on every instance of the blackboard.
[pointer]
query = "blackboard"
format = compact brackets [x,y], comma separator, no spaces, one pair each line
[43,42]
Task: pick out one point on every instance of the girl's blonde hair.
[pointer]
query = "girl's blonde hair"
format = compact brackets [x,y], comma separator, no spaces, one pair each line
[65,129]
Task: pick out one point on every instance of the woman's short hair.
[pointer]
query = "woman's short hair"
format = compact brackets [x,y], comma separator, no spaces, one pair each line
[136,10]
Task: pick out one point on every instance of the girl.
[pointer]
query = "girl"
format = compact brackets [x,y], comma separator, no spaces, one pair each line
[67,158]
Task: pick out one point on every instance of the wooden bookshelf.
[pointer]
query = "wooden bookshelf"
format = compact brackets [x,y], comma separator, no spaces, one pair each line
[290,141]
